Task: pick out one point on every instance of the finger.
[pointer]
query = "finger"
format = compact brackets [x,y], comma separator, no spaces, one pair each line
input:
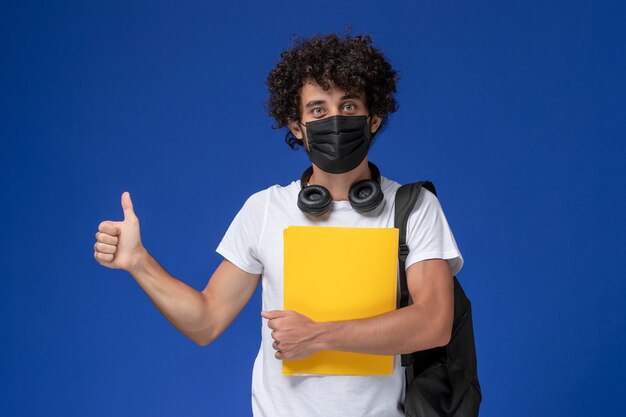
[103,257]
[104,248]
[105,238]
[127,206]
[278,355]
[272,324]
[275,346]
[109,227]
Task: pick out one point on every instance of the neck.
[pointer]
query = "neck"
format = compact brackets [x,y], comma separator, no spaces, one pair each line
[339,184]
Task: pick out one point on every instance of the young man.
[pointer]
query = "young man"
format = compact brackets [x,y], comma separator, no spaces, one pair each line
[334,95]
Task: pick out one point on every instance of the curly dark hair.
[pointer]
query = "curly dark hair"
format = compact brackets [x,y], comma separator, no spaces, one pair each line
[351,63]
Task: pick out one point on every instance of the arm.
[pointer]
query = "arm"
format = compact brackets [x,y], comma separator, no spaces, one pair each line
[201,316]
[425,324]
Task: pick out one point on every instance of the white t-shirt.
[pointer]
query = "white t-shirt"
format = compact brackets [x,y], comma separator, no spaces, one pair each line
[254,242]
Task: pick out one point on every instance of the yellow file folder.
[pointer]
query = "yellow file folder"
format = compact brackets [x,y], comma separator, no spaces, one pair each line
[340,273]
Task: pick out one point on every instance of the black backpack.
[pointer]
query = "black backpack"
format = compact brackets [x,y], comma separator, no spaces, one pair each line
[442,381]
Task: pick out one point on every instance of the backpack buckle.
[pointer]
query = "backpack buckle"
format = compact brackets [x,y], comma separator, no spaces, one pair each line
[403,251]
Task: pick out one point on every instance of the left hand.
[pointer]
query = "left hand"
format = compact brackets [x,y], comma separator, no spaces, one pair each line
[295,335]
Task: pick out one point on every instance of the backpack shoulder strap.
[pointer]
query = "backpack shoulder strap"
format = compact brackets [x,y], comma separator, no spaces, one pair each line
[406,196]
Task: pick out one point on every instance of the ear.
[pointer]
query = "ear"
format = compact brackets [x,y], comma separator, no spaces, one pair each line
[295,128]
[375,123]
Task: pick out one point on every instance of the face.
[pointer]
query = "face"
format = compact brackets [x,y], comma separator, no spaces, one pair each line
[317,103]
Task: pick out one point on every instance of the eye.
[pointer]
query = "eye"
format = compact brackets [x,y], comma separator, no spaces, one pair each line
[317,111]
[349,107]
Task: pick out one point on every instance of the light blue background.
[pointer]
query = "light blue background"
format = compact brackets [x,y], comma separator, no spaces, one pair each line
[515,110]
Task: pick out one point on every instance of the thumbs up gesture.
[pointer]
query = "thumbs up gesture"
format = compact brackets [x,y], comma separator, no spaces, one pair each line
[118,244]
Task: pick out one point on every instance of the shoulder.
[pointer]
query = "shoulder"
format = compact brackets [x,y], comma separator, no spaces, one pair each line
[274,193]
[428,199]
[425,198]
[427,208]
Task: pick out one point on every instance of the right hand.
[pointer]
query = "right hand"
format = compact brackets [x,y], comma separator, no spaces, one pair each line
[118,244]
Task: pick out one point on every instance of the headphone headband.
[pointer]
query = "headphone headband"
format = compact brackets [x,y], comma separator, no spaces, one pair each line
[306,175]
[364,195]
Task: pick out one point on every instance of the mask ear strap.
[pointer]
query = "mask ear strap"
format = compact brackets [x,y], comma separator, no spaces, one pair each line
[304,142]
[369,126]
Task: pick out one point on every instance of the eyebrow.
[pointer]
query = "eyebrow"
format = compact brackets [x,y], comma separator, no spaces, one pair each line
[313,103]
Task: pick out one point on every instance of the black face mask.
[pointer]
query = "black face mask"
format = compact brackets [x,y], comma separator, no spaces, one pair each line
[338,144]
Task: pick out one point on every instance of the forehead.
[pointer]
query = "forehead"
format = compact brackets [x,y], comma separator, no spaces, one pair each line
[312,91]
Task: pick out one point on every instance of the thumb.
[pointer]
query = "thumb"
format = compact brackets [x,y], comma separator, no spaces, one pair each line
[127,205]
[271,314]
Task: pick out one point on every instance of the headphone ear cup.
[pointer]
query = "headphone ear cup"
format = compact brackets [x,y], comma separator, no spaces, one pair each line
[365,195]
[314,200]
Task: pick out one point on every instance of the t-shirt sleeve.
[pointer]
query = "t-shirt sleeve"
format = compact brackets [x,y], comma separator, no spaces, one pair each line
[429,235]
[240,244]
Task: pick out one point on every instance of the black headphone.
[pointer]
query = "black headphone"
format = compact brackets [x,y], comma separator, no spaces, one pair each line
[364,195]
